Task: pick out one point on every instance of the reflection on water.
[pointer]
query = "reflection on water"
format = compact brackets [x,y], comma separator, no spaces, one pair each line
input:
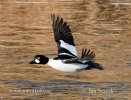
[100,25]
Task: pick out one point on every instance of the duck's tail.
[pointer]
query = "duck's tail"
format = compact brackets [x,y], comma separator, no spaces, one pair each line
[93,65]
[88,57]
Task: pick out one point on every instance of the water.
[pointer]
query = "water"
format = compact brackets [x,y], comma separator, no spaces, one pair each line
[77,88]
[100,25]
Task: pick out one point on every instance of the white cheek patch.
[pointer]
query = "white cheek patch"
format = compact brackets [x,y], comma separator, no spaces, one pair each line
[37,61]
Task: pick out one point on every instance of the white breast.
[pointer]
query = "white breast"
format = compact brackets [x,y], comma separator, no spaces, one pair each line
[59,65]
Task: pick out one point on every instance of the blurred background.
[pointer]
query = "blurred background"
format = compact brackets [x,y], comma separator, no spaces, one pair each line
[100,25]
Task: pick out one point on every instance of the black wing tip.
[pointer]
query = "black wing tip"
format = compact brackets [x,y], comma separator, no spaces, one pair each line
[88,54]
[55,17]
[61,30]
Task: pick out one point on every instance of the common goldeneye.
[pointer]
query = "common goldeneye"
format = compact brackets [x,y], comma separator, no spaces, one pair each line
[67,59]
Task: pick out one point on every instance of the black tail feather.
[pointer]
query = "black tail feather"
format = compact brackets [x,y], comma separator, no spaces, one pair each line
[93,65]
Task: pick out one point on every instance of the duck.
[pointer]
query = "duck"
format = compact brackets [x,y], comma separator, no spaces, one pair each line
[67,59]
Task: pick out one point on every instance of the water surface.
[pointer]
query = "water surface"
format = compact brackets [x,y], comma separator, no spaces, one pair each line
[100,25]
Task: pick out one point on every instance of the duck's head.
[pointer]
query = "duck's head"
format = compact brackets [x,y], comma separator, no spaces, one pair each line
[40,59]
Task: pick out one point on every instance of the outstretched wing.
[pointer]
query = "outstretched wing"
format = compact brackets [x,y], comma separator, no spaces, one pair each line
[63,37]
[87,55]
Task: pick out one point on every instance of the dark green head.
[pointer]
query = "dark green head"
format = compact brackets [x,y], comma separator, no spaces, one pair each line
[40,59]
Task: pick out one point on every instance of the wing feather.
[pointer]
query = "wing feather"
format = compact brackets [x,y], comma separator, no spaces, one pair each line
[87,55]
[63,36]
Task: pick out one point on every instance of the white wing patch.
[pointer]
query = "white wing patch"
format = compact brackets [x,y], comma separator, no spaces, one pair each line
[69,47]
[66,54]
